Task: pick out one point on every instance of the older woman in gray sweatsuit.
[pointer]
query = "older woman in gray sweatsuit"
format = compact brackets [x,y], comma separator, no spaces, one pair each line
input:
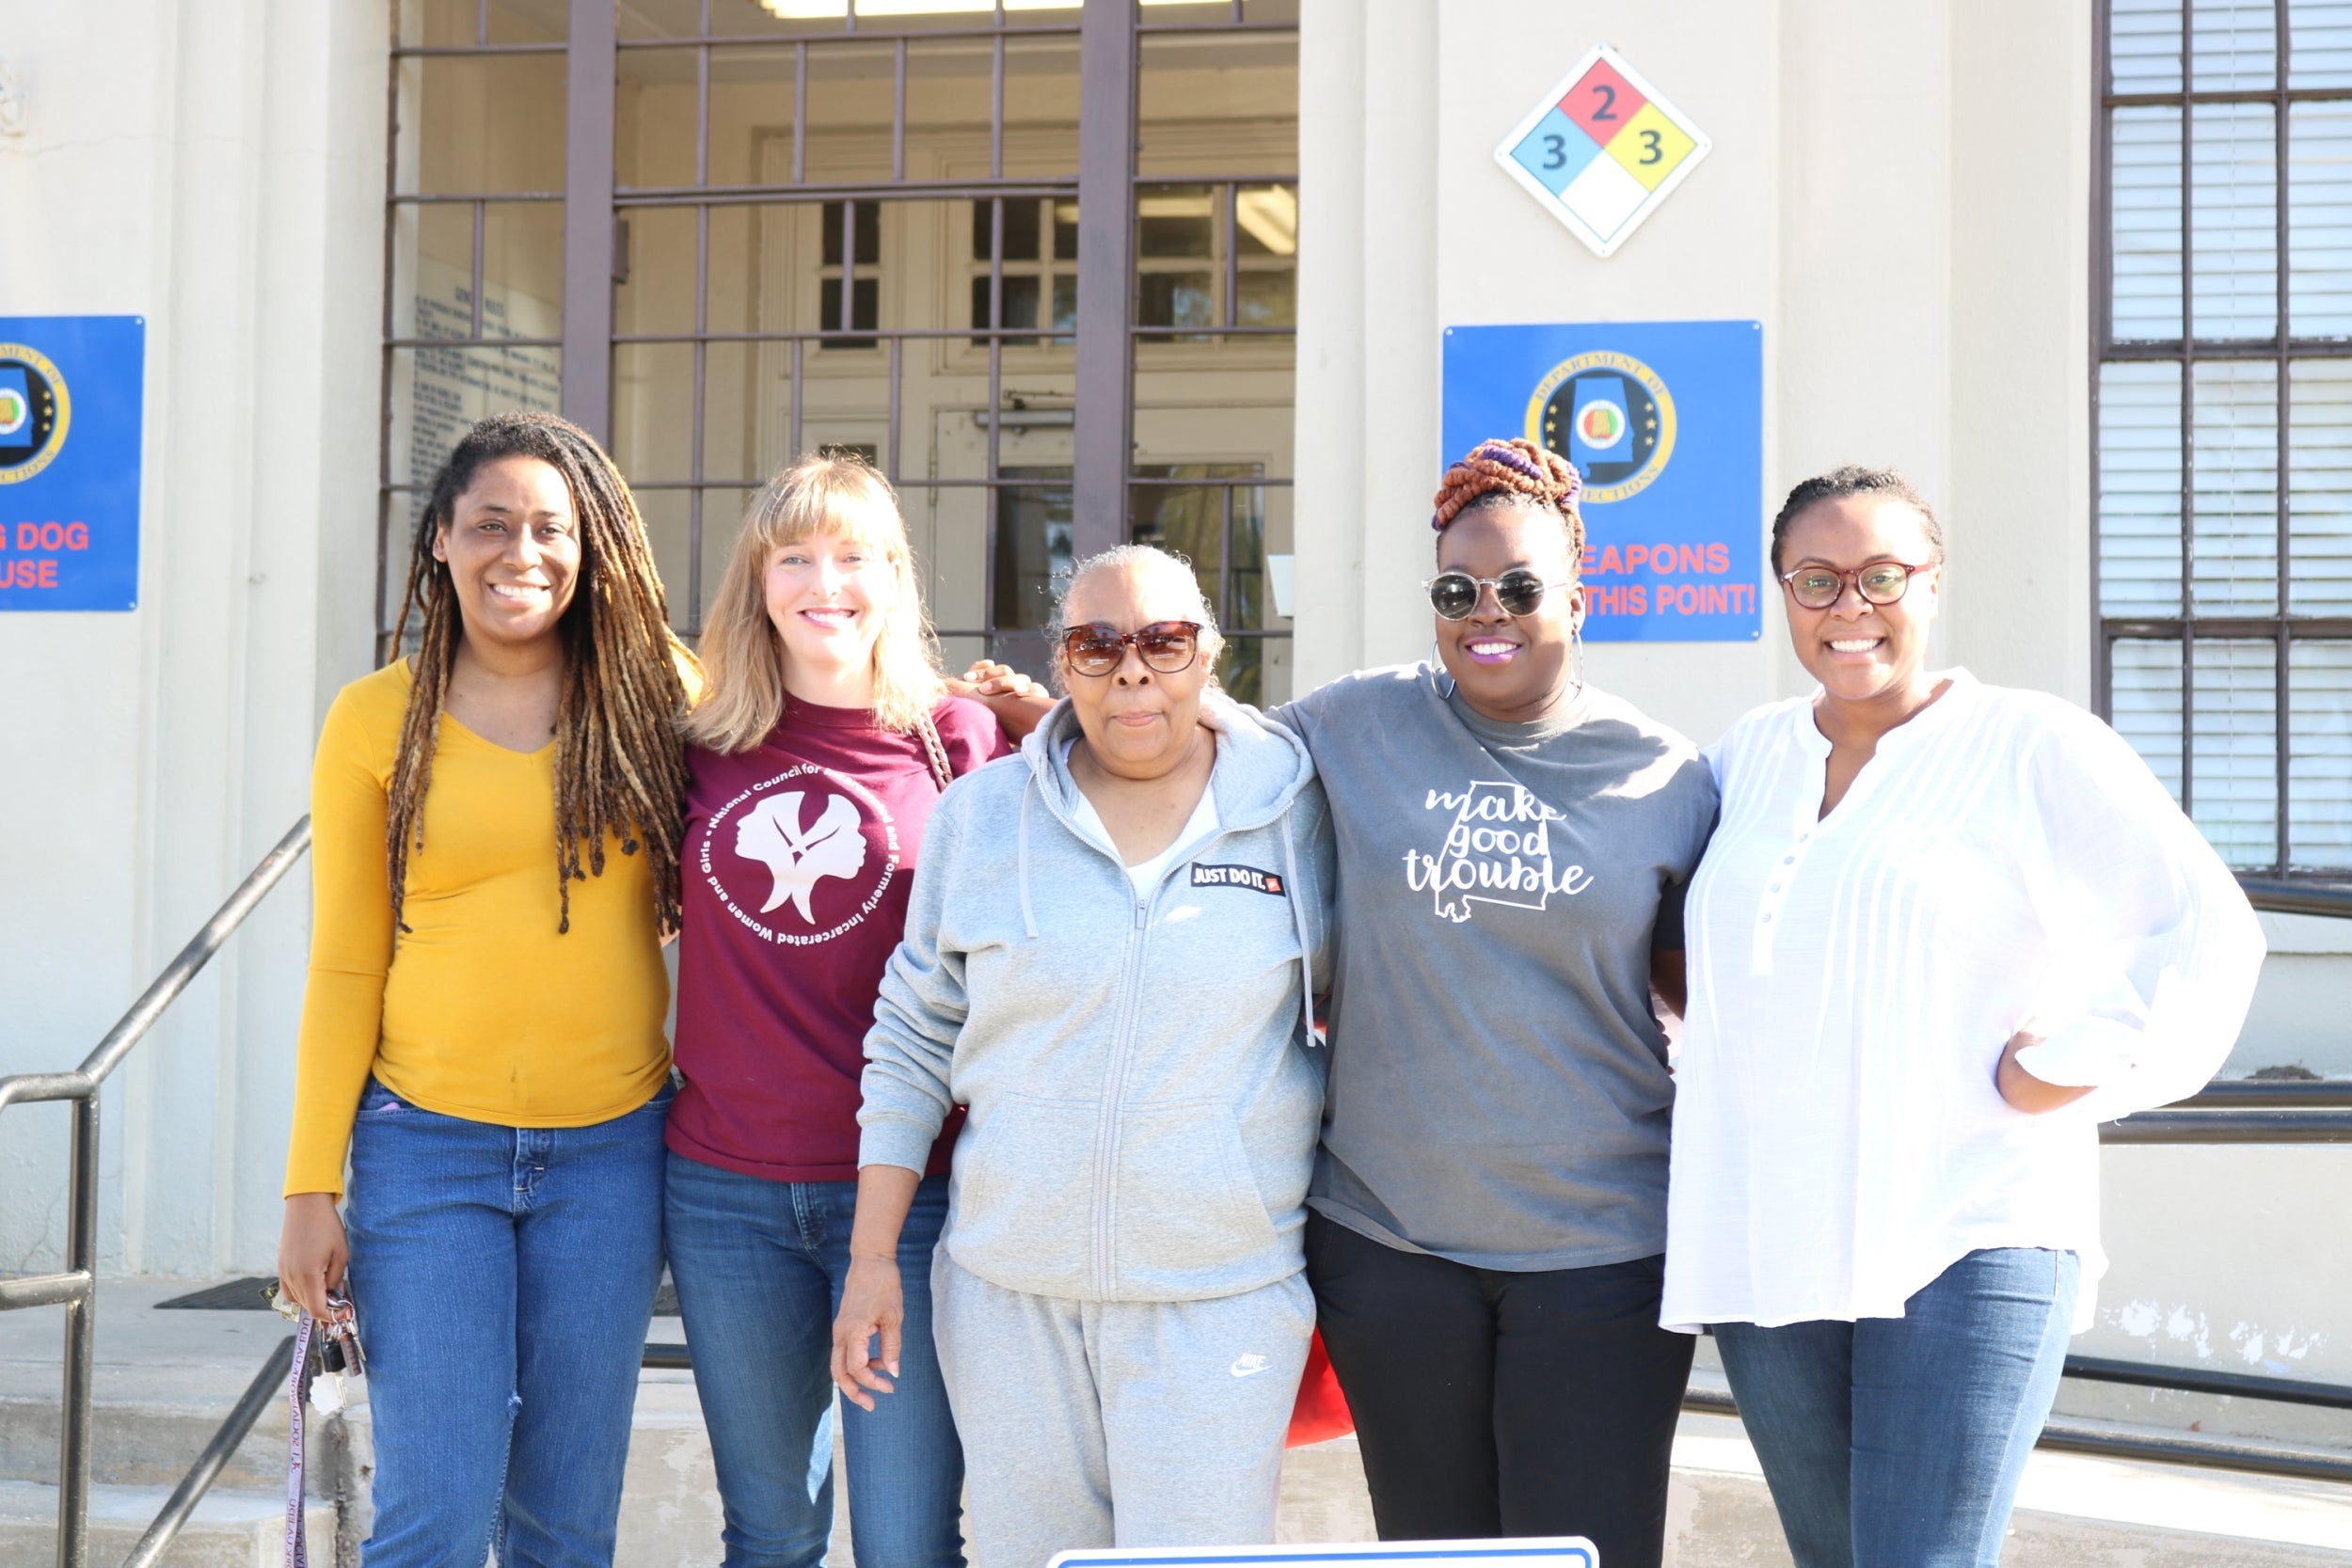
[1119,1305]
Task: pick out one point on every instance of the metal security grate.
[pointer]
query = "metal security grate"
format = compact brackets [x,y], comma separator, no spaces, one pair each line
[1037,262]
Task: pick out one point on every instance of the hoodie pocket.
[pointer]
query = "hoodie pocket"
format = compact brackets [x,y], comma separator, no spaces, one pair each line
[1023,1213]
[1187,1219]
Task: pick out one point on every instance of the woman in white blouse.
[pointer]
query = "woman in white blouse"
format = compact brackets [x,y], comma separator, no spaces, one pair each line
[1942,930]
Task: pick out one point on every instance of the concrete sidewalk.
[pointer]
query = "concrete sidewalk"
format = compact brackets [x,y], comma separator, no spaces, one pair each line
[166,1378]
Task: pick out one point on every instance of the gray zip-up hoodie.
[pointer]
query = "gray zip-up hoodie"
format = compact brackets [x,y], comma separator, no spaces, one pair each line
[1144,1086]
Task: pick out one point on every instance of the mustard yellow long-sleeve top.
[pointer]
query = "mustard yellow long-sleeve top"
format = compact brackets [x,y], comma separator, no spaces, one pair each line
[481,1010]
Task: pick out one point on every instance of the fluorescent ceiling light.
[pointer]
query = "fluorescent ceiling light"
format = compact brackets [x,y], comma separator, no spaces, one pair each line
[822,11]
[1270,213]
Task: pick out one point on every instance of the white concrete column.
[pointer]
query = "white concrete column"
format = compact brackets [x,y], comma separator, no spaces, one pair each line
[1328,504]
[220,175]
[1407,46]
[1367,394]
[2017,502]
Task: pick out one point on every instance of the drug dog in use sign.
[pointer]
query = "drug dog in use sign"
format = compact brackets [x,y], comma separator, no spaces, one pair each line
[72,403]
[1664,421]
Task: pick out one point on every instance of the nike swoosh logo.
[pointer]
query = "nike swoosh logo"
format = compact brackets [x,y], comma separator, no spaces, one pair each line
[1249,1365]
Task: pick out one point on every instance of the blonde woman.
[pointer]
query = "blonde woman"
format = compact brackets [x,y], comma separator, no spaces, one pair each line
[824,739]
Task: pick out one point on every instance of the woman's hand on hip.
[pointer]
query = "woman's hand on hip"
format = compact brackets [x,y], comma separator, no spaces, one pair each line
[873,1303]
[2022,1089]
[312,1251]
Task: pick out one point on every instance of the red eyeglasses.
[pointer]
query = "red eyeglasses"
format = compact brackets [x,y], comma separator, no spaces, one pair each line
[1166,646]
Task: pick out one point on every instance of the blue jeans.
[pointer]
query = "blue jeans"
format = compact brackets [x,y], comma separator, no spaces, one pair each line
[758,1266]
[1898,1442]
[504,1278]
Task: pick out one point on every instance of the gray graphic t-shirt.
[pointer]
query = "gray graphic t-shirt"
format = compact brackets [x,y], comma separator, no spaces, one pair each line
[1498,1090]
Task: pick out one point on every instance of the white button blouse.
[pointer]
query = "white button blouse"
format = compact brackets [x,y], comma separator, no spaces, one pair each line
[2004,860]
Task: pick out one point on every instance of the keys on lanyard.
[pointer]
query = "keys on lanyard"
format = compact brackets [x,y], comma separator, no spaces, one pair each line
[339,1352]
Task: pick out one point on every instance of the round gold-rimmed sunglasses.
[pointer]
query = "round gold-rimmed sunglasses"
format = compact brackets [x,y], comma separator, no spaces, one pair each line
[1881,583]
[1166,646]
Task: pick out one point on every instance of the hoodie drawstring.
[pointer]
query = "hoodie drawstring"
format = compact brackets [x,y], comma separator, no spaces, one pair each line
[1306,949]
[1029,917]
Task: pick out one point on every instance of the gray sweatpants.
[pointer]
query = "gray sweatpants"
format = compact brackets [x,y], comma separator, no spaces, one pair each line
[1123,1423]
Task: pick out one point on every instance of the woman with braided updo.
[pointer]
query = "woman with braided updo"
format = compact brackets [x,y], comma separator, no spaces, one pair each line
[495,826]
[1489,1212]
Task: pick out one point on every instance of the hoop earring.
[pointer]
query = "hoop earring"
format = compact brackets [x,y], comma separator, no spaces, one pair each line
[1439,671]
[1576,655]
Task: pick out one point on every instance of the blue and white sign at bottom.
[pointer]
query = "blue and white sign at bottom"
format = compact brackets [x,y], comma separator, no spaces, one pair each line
[1548,1551]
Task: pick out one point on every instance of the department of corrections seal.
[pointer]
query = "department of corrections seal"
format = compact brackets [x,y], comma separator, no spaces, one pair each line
[34,412]
[1642,415]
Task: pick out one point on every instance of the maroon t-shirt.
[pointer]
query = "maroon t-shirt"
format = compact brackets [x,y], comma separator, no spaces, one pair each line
[798,861]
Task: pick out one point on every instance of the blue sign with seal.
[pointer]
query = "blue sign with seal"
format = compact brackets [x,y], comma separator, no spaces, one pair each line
[72,400]
[1665,423]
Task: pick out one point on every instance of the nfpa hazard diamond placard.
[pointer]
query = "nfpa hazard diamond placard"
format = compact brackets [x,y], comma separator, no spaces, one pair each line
[1602,150]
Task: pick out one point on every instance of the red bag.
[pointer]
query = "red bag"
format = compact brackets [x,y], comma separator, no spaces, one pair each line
[1320,1412]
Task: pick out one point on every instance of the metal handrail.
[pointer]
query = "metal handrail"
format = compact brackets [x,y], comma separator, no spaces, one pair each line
[2312,1094]
[75,1286]
[2281,897]
[2195,1380]
[257,1396]
[2270,1126]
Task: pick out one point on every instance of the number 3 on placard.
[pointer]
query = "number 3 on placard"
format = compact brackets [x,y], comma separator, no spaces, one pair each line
[1650,152]
[1555,151]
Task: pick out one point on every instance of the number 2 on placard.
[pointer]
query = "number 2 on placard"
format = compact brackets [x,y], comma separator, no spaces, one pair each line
[1608,109]
[1555,151]
[1650,152]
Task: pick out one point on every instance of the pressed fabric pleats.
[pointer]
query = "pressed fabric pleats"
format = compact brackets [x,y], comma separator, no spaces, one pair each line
[2002,858]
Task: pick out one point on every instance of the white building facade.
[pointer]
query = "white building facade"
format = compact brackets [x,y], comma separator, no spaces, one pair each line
[1180,272]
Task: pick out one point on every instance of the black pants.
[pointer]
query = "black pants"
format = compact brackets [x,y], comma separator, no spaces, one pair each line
[1490,1403]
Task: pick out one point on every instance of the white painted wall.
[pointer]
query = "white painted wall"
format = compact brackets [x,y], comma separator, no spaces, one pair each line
[1875,180]
[215,166]
[1900,195]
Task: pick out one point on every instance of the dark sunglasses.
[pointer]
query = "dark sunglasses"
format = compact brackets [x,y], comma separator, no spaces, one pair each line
[1166,646]
[1519,590]
[1881,583]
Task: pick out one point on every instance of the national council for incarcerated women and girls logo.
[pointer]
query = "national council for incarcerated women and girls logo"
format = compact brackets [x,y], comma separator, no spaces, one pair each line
[790,859]
[1611,415]
[34,412]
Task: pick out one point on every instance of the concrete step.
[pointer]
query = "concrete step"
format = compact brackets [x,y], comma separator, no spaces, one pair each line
[2075,1510]
[166,1378]
[142,1442]
[163,1382]
[229,1529]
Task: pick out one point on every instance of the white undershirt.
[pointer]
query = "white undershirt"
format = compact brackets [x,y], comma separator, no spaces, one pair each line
[2003,860]
[1146,875]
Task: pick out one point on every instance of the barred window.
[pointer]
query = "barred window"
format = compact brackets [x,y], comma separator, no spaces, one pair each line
[853,225]
[2223,415]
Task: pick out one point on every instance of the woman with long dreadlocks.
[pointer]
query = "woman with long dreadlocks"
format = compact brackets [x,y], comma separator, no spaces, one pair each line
[495,853]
